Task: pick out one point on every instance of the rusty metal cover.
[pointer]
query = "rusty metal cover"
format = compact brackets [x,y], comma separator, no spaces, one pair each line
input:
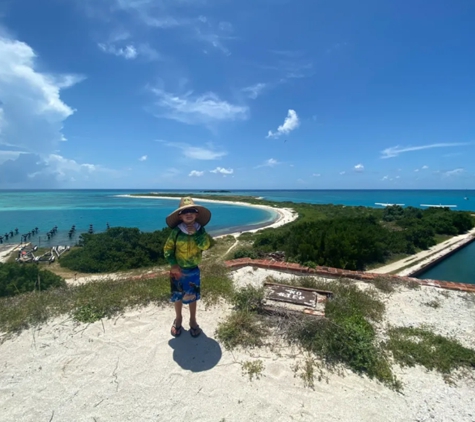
[296,299]
[292,295]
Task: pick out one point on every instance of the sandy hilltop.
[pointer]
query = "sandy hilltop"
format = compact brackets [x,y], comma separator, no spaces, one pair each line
[130,368]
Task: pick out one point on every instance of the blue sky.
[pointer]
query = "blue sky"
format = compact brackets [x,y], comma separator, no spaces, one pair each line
[272,94]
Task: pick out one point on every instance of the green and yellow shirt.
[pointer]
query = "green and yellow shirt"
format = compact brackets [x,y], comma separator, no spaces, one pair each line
[185,249]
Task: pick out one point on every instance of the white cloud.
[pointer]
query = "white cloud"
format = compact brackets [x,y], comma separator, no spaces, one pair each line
[395,151]
[385,178]
[32,112]
[195,153]
[196,173]
[359,168]
[271,162]
[254,91]
[204,109]
[129,52]
[342,172]
[454,172]
[291,123]
[143,158]
[32,115]
[425,167]
[316,174]
[222,170]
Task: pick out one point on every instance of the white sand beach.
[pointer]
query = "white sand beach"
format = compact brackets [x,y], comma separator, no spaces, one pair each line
[285,215]
[130,369]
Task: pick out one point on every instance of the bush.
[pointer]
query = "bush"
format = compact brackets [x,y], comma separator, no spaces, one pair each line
[117,249]
[245,253]
[21,278]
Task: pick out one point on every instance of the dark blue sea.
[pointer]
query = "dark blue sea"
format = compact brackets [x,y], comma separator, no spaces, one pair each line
[25,210]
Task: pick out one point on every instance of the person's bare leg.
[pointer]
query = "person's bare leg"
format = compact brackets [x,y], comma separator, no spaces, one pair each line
[178,315]
[193,322]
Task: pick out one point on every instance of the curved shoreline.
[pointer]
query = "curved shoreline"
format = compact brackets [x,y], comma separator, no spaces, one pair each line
[284,215]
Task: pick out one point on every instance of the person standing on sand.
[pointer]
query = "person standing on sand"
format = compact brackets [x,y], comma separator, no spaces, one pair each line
[183,250]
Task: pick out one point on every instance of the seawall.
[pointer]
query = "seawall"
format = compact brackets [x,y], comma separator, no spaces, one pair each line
[339,273]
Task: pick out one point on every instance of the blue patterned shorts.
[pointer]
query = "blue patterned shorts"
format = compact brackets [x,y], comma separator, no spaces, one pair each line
[187,287]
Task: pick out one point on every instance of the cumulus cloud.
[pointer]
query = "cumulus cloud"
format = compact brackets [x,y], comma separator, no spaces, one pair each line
[195,153]
[397,150]
[196,173]
[195,110]
[359,168]
[291,123]
[143,158]
[222,171]
[32,115]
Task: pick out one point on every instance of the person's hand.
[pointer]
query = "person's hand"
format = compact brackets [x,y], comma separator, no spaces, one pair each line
[175,272]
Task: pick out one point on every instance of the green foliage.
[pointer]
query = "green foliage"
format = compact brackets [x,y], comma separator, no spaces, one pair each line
[88,314]
[21,278]
[248,299]
[117,249]
[245,253]
[86,302]
[419,346]
[352,239]
[241,328]
[253,369]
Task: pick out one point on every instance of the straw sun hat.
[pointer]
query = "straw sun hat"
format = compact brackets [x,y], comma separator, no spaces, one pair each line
[203,216]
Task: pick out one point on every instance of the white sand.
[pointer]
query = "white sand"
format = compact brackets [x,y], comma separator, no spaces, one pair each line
[130,369]
[285,215]
[6,251]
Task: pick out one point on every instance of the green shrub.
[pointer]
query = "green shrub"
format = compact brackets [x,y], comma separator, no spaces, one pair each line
[21,278]
[411,346]
[117,249]
[241,328]
[245,253]
[248,299]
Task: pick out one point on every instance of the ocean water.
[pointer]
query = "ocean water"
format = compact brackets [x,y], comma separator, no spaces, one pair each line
[459,267]
[26,210]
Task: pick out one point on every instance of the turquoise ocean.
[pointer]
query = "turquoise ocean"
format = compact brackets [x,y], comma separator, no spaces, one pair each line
[25,210]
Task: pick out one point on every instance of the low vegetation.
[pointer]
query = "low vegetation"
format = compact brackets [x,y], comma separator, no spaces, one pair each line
[16,279]
[117,249]
[101,299]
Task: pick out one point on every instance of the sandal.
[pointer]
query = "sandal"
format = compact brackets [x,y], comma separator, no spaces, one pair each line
[176,331]
[195,331]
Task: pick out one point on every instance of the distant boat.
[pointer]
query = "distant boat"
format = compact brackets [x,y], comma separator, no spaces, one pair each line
[387,205]
[438,206]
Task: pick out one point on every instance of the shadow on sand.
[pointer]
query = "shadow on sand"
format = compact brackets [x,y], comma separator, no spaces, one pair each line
[195,354]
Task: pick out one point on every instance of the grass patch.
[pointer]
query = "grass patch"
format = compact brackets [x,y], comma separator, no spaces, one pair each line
[241,328]
[215,283]
[85,303]
[418,346]
[253,369]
